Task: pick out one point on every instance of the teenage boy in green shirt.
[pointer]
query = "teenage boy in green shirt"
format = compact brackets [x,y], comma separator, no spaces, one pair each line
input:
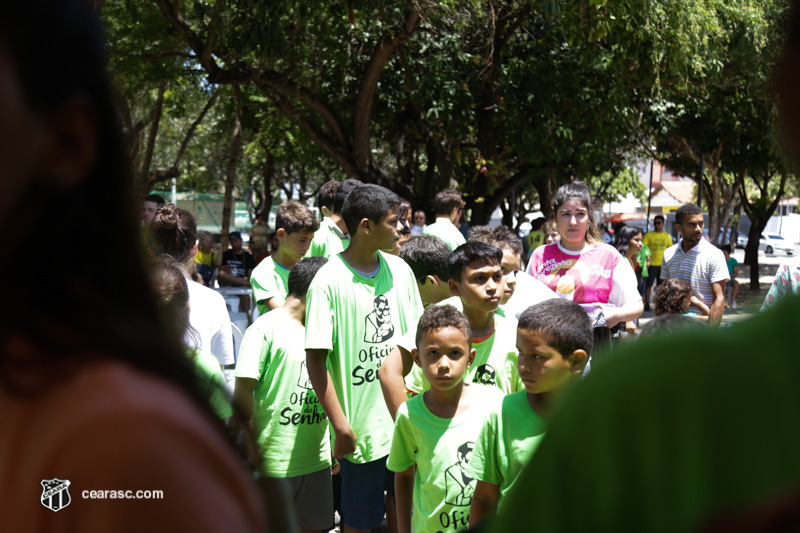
[436,431]
[554,339]
[274,393]
[295,225]
[332,237]
[476,278]
[357,306]
[427,256]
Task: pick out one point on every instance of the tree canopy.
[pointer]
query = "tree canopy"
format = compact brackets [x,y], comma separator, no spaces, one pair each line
[504,99]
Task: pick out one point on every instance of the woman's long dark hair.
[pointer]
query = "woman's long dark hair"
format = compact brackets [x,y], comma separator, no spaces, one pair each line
[622,240]
[92,281]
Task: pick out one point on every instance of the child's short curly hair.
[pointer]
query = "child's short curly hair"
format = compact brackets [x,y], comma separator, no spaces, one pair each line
[672,296]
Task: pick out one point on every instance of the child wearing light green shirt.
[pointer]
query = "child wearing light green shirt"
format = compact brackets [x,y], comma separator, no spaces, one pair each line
[274,392]
[436,431]
[295,225]
[554,339]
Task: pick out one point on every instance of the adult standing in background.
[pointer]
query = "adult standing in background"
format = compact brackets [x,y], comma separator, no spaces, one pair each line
[448,206]
[699,262]
[149,207]
[582,268]
[657,240]
[419,223]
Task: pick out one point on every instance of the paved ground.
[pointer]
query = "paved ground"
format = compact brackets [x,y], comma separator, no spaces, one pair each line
[748,302]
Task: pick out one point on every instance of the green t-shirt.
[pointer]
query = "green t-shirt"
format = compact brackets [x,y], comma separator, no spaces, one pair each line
[732,263]
[288,421]
[358,320]
[506,443]
[445,230]
[441,448]
[212,380]
[328,240]
[641,258]
[269,279]
[495,360]
[671,432]
[657,242]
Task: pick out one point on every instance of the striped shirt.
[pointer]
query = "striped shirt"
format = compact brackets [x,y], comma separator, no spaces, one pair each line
[701,266]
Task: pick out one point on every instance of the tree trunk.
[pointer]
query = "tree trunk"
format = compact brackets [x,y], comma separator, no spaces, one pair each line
[230,173]
[151,137]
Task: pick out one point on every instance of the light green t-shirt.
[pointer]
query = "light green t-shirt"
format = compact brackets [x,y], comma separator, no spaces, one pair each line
[495,360]
[269,279]
[507,442]
[206,366]
[441,448]
[358,320]
[288,421]
[328,240]
[445,230]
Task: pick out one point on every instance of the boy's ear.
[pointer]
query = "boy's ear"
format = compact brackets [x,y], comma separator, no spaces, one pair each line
[366,225]
[455,287]
[471,359]
[415,356]
[432,279]
[577,361]
[194,248]
[281,233]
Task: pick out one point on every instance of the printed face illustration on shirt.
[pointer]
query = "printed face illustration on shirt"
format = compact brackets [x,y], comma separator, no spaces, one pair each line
[459,487]
[378,325]
[485,375]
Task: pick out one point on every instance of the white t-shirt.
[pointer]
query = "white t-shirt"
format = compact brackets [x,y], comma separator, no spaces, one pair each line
[702,266]
[209,317]
[529,291]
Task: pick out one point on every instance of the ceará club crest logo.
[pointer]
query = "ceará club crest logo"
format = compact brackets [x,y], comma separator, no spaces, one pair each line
[55,493]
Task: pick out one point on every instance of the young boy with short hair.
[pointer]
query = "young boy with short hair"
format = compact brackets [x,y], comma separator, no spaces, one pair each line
[332,237]
[448,207]
[295,225]
[427,256]
[435,432]
[358,305]
[476,279]
[522,290]
[274,392]
[554,339]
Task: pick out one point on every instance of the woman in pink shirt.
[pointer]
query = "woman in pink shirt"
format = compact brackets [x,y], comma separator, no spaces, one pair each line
[581,267]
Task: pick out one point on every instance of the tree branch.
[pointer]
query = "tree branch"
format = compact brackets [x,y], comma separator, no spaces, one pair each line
[366,93]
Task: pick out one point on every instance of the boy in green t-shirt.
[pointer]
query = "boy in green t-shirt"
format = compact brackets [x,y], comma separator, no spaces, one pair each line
[358,305]
[476,279]
[332,237]
[435,432]
[427,256]
[275,395]
[295,225]
[554,339]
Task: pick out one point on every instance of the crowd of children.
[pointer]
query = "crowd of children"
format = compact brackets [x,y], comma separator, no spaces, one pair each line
[427,417]
[325,374]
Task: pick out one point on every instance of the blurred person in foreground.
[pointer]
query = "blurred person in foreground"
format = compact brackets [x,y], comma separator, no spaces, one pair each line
[96,393]
[683,432]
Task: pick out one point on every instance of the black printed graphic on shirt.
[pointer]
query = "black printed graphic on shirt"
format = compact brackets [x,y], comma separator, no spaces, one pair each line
[485,374]
[459,487]
[378,325]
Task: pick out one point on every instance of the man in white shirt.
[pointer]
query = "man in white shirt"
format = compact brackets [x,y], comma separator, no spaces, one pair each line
[697,261]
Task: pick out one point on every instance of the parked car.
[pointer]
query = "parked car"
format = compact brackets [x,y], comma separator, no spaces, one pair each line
[771,242]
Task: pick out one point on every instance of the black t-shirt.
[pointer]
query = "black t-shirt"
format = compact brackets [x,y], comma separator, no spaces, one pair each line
[239,264]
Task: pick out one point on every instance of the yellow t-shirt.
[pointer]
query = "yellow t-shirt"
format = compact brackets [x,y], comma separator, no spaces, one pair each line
[657,242]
